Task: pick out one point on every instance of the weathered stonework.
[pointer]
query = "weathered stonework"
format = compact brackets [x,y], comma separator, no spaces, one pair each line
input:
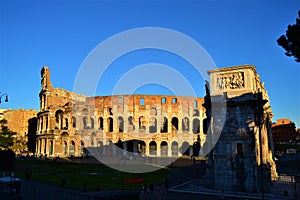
[17,120]
[245,135]
[152,125]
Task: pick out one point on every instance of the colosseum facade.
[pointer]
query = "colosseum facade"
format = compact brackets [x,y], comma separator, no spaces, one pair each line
[152,125]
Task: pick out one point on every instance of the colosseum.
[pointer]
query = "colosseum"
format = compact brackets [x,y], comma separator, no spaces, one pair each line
[151,125]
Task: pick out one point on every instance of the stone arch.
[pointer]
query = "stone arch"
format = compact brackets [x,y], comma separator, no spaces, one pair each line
[164,148]
[121,124]
[101,123]
[185,124]
[72,148]
[131,126]
[93,136]
[81,148]
[66,123]
[59,119]
[85,112]
[196,148]
[164,125]
[152,148]
[64,134]
[153,125]
[85,122]
[196,113]
[74,122]
[174,148]
[174,123]
[142,147]
[142,123]
[153,111]
[185,148]
[110,124]
[196,126]
[92,122]
[51,147]
[65,148]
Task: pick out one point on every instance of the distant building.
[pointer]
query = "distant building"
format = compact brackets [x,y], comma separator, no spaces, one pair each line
[284,131]
[2,113]
[17,120]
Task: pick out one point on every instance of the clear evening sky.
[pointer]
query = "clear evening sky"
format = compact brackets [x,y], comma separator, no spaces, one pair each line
[61,34]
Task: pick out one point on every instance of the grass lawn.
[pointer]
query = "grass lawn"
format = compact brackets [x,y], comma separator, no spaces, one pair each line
[76,174]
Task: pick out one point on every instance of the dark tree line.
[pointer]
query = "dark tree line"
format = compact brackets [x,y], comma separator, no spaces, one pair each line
[291,40]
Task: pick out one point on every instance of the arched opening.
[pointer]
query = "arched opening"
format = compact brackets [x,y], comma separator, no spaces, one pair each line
[196,148]
[153,111]
[51,148]
[65,148]
[152,148]
[74,122]
[101,123]
[196,113]
[174,123]
[110,124]
[164,125]
[66,124]
[185,148]
[142,147]
[121,124]
[131,126]
[72,148]
[164,148]
[153,125]
[84,121]
[64,134]
[119,147]
[81,148]
[59,119]
[196,126]
[185,124]
[92,123]
[130,146]
[93,136]
[142,123]
[174,148]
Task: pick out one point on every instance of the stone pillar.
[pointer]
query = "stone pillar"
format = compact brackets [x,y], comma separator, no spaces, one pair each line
[158,149]
[125,148]
[147,150]
[135,147]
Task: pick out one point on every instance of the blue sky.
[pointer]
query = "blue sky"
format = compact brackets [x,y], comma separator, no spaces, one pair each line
[61,34]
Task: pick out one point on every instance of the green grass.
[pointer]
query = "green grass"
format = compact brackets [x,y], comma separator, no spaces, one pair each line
[75,174]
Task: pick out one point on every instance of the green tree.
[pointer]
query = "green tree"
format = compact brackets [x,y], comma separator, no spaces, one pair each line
[291,40]
[6,135]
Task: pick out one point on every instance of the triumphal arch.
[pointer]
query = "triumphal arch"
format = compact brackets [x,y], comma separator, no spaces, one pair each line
[239,119]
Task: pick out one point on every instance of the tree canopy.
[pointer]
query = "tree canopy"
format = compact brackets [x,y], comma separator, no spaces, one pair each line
[291,40]
[6,135]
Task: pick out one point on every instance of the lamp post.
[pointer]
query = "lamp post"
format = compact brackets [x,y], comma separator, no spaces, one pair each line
[259,121]
[6,97]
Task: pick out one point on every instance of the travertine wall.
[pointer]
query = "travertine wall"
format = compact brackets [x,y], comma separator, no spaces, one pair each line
[17,120]
[155,124]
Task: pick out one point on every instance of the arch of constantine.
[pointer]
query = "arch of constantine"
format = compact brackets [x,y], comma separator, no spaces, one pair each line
[152,125]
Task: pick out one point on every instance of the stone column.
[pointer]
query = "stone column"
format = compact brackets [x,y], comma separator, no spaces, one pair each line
[125,148]
[135,147]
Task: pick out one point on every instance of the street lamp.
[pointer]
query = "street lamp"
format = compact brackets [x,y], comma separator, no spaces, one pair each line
[259,121]
[6,97]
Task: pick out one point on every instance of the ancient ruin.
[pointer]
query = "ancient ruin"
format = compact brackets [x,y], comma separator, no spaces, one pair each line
[152,125]
[240,119]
